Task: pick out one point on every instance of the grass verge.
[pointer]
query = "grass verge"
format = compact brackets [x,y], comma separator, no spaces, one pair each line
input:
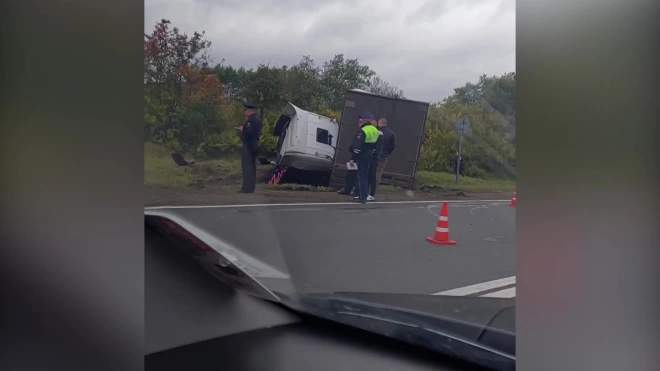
[160,170]
[427,180]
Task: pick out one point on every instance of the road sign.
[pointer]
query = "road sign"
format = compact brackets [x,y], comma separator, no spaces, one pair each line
[462,124]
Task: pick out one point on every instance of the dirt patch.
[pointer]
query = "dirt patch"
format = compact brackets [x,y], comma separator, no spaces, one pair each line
[432,188]
[220,175]
[226,195]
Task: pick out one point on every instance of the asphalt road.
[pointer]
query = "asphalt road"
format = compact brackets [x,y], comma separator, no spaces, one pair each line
[374,247]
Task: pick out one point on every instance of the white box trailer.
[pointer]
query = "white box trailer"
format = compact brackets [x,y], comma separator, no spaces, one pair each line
[306,141]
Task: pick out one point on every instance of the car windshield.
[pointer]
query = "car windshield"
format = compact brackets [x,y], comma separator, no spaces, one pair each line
[379,181]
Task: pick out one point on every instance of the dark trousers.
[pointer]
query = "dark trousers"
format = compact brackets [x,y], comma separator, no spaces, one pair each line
[249,167]
[363,163]
[375,172]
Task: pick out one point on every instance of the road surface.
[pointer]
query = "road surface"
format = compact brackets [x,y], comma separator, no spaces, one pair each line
[379,247]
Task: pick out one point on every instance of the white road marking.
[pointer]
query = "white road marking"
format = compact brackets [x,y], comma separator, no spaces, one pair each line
[319,204]
[429,207]
[479,287]
[506,293]
[493,203]
[301,209]
[478,207]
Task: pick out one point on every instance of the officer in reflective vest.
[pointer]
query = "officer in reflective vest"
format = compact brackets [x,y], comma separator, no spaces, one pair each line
[372,180]
[362,149]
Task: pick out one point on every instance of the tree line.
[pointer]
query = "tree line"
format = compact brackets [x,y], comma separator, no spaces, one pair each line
[192,105]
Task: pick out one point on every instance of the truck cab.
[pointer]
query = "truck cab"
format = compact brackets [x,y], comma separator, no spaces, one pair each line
[306,141]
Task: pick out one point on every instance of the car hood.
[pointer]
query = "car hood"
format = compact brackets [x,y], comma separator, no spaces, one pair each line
[481,327]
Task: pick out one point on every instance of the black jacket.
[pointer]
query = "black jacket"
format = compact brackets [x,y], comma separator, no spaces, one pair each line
[389,141]
[251,133]
[378,148]
[357,145]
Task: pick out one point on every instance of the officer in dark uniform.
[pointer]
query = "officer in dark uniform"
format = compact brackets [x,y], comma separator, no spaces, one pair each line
[373,165]
[350,182]
[385,146]
[362,150]
[249,132]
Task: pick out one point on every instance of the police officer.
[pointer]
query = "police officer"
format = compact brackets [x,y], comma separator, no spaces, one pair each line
[373,165]
[350,186]
[385,147]
[249,132]
[362,150]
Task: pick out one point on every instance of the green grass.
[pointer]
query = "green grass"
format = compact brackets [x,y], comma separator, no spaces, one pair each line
[160,170]
[430,180]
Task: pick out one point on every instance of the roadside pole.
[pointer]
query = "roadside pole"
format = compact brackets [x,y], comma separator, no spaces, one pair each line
[462,125]
[458,160]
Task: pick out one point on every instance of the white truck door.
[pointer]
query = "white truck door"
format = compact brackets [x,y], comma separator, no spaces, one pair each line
[321,136]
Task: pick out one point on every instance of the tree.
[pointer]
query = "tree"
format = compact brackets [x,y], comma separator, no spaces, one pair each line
[339,75]
[234,80]
[304,84]
[200,87]
[379,86]
[484,150]
[165,51]
[182,99]
[265,87]
[497,95]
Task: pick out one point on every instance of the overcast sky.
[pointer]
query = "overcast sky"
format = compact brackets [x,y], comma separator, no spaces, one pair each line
[425,47]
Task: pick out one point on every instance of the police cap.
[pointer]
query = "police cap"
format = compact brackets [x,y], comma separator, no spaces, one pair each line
[367,115]
[247,105]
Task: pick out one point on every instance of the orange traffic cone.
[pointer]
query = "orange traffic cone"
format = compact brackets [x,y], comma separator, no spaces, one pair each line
[441,235]
[513,200]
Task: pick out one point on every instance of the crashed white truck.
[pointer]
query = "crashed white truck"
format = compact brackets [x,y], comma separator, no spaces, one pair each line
[306,142]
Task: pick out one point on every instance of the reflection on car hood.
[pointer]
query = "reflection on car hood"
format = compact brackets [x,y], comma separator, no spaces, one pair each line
[493,312]
[482,329]
[228,263]
[478,329]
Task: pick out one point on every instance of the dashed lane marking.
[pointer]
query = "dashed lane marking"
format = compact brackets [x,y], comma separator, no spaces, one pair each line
[474,290]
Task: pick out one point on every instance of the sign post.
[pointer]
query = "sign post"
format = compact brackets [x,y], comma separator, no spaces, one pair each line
[462,125]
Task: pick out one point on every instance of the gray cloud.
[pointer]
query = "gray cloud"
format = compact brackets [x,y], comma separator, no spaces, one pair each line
[426,47]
